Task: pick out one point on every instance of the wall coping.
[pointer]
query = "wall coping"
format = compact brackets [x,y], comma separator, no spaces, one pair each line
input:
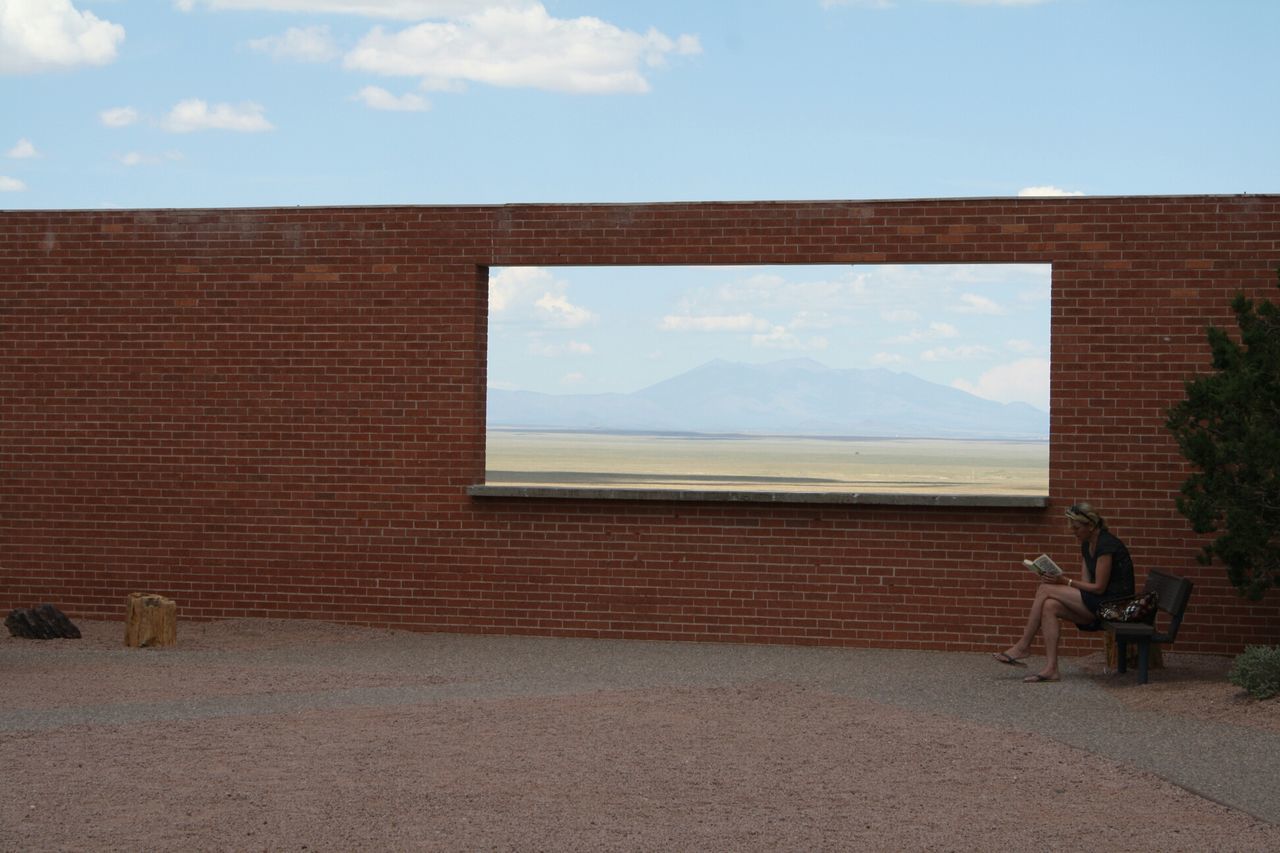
[651,203]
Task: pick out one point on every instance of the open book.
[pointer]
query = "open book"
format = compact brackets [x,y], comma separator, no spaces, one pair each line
[1042,565]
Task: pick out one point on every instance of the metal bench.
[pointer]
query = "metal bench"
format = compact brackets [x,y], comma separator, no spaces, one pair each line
[1173,593]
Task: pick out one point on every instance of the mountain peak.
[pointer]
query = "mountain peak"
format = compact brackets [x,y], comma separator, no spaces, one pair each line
[796,396]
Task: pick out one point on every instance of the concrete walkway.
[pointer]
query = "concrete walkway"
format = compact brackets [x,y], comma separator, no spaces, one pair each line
[1230,764]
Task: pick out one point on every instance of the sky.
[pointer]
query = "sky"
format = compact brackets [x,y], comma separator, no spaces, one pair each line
[585,330]
[251,103]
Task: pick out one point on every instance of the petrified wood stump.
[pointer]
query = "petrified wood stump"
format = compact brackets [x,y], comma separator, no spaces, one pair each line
[42,622]
[151,620]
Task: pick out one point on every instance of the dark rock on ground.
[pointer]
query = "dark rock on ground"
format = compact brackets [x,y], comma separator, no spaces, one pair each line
[42,622]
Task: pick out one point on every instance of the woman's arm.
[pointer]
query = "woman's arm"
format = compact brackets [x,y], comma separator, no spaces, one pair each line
[1102,576]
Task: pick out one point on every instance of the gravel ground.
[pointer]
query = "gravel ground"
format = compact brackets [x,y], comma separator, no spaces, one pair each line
[276,735]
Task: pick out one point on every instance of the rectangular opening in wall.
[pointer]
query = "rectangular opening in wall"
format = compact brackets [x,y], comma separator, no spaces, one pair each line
[898,380]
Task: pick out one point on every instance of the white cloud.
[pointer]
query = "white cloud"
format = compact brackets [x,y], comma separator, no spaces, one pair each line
[1019,345]
[520,46]
[11,185]
[118,116]
[137,158]
[48,35]
[533,296]
[780,337]
[23,150]
[572,378]
[770,290]
[889,4]
[941,330]
[881,359]
[1046,191]
[377,98]
[1041,291]
[899,315]
[934,332]
[815,320]
[194,114]
[862,301]
[866,295]
[555,350]
[960,353]
[404,10]
[713,323]
[972,303]
[510,43]
[304,44]
[996,2]
[507,285]
[561,312]
[1025,380]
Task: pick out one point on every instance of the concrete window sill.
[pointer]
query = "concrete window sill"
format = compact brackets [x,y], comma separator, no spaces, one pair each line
[711,495]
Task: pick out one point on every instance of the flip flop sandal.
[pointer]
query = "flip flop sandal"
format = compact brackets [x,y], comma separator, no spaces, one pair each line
[1001,657]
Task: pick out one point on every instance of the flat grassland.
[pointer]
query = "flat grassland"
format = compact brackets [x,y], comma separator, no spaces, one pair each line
[767,463]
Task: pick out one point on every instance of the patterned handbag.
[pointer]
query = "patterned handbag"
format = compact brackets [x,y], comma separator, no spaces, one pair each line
[1139,608]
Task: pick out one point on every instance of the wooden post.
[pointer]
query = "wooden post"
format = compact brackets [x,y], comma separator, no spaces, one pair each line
[1155,659]
[151,620]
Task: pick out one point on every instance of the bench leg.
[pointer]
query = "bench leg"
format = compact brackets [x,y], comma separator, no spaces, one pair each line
[1122,655]
[1144,652]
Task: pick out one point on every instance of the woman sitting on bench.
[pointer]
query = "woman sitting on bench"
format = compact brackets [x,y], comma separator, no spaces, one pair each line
[1107,574]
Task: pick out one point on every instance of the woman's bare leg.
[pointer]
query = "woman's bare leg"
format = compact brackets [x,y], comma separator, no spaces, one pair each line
[1052,631]
[1068,605]
[1022,648]
[1057,608]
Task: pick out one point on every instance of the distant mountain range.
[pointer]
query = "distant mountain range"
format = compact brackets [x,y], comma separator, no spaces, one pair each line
[791,397]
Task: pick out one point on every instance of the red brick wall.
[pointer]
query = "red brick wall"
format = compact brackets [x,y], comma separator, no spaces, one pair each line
[278,413]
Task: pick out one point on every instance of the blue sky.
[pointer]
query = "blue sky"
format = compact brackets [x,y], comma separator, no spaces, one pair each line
[234,103]
[981,328]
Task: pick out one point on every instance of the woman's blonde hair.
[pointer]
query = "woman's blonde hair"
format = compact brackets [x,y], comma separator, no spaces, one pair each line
[1083,513]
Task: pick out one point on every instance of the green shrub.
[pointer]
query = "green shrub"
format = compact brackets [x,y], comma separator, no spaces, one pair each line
[1226,427]
[1257,670]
